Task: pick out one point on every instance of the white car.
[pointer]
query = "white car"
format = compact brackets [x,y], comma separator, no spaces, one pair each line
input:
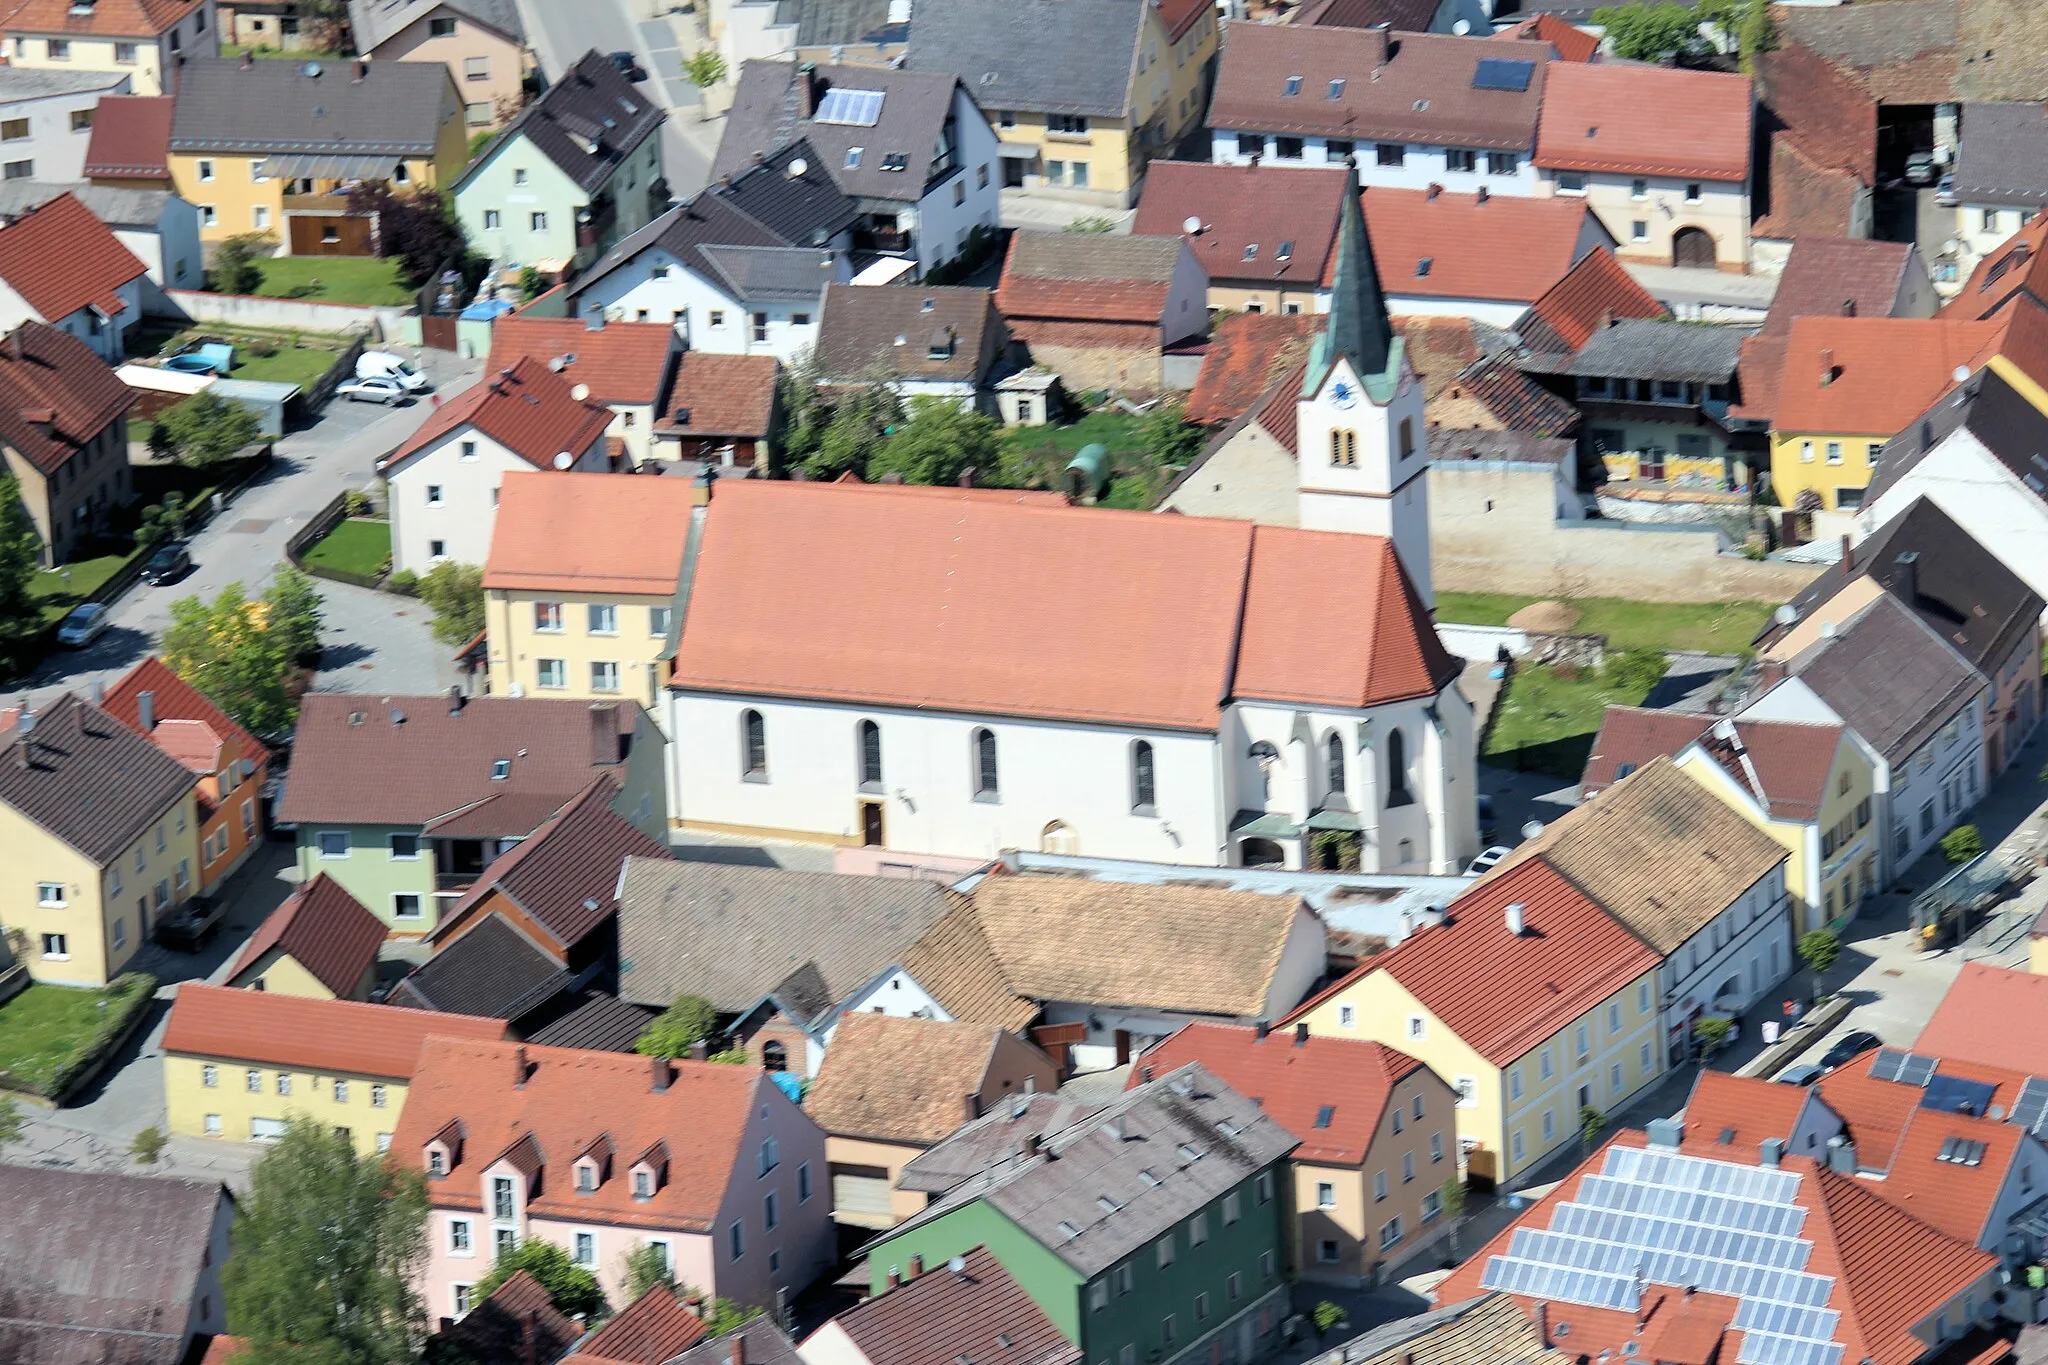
[1483,864]
[83,625]
[385,365]
[381,389]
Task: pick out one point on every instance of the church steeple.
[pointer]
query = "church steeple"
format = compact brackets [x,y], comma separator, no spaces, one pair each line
[1356,327]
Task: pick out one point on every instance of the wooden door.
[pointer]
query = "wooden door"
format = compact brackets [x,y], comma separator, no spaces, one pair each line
[1692,247]
[871,824]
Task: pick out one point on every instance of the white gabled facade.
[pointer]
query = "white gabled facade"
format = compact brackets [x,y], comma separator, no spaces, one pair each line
[656,284]
[444,499]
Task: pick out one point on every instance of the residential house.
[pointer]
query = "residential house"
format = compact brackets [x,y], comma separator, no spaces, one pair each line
[1999,183]
[1595,294]
[484,774]
[146,40]
[1669,176]
[1959,588]
[118,1268]
[1568,42]
[321,943]
[1909,695]
[723,412]
[1409,109]
[241,1064]
[603,1154]
[91,815]
[46,119]
[445,478]
[1263,239]
[1003,1133]
[1379,1139]
[230,764]
[1816,173]
[924,1319]
[581,584]
[481,42]
[1409,16]
[1490,1327]
[63,434]
[757,1341]
[1442,253]
[1810,785]
[273,146]
[929,341]
[161,229]
[573,172]
[61,266]
[654,1328]
[1152,1225]
[130,145]
[518,1321]
[911,148]
[1129,87]
[1653,397]
[892,1086]
[629,368]
[1101,309]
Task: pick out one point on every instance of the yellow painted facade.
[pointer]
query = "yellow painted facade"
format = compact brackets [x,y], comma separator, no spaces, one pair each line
[845,1155]
[1625,465]
[1824,463]
[280,973]
[2037,954]
[525,654]
[139,59]
[222,1097]
[80,922]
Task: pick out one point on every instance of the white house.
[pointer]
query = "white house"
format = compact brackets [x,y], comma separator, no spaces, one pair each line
[62,266]
[159,227]
[628,367]
[444,480]
[46,119]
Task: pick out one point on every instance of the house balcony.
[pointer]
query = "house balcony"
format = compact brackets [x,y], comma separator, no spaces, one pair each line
[594,224]
[887,241]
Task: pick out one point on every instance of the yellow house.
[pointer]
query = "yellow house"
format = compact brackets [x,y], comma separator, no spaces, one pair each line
[321,943]
[141,40]
[99,839]
[269,146]
[581,581]
[240,1064]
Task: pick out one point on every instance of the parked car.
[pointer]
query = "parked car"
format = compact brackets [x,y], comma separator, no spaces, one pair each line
[170,563]
[1801,1073]
[627,67]
[381,389]
[1945,192]
[385,365]
[1920,168]
[1484,862]
[1849,1046]
[82,625]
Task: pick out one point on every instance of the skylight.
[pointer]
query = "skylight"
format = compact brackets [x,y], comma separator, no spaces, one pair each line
[852,108]
[1337,88]
[1293,86]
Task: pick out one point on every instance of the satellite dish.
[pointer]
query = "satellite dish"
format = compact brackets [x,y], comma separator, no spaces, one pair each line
[1192,224]
[1532,829]
[1960,373]
[579,392]
[310,69]
[1786,614]
[563,459]
[1462,27]
[797,167]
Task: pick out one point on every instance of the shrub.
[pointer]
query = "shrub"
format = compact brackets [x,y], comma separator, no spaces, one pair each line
[1327,1317]
[405,583]
[1633,670]
[680,1027]
[1962,843]
[262,347]
[356,503]
[148,1146]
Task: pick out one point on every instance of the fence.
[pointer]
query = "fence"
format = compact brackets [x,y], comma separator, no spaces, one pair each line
[313,532]
[302,315]
[339,373]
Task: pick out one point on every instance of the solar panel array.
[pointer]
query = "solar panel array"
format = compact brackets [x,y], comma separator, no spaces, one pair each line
[1660,1217]
[856,108]
[1494,73]
[1907,1068]
[2030,1110]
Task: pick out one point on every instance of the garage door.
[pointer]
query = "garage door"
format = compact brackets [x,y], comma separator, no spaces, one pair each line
[860,1195]
[266,1130]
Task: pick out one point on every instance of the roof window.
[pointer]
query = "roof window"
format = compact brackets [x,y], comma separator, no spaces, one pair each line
[1293,86]
[895,161]
[853,157]
[1422,266]
[1325,1114]
[1251,251]
[501,769]
[1337,88]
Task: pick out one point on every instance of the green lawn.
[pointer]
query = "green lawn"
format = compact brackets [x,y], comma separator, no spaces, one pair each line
[46,1030]
[339,279]
[1546,719]
[355,546]
[1710,627]
[291,365]
[63,588]
[1117,430]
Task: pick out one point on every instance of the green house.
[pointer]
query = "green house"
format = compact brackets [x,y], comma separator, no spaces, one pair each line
[1150,1232]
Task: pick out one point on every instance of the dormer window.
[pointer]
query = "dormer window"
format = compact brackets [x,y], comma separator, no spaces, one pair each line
[643,1183]
[586,1176]
[437,1161]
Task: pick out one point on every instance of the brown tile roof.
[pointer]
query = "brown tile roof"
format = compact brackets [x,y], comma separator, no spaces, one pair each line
[1593,293]
[1760,364]
[899,1080]
[1402,87]
[44,370]
[621,362]
[1838,277]
[1884,371]
[723,395]
[322,928]
[1992,1015]
[1571,44]
[523,406]
[968,580]
[1266,207]
[1492,1330]
[1445,245]
[1803,198]
[570,1099]
[1890,678]
[1247,352]
[1649,120]
[60,259]
[588,533]
[85,778]
[1828,124]
[131,138]
[977,1311]
[957,967]
[1406,16]
[1278,412]
[1630,736]
[517,1323]
[104,18]
[864,330]
[648,1331]
[1747,1109]
[1904,53]
[176,700]
[1515,400]
[1104,277]
[1296,1081]
[1098,943]
[271,1028]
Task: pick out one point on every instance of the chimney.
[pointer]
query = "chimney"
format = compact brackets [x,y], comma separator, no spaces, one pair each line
[1145,1074]
[595,322]
[1772,673]
[1032,1142]
[456,701]
[145,710]
[895,1277]
[248,60]
[1540,1316]
[519,1063]
[1263,1029]
[1515,918]
[1848,559]
[807,89]
[1848,308]
[1481,197]
[739,1348]
[970,1107]
[916,1266]
[1828,372]
[1666,1133]
[660,1069]
[98,691]
[14,344]
[1434,190]
[1301,1034]
[700,1050]
[1771,1151]
[1842,1155]
[1909,577]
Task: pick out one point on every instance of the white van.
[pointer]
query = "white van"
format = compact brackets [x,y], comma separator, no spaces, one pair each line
[385,365]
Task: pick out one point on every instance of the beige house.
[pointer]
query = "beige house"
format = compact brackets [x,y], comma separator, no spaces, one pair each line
[481,42]
[322,942]
[142,38]
[891,1087]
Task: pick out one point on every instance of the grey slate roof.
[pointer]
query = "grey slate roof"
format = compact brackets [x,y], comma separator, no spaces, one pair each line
[1889,677]
[493,972]
[32,83]
[87,779]
[101,1269]
[786,273]
[997,1135]
[2002,155]
[375,21]
[602,1023]
[1158,1153]
[683,232]
[1996,414]
[772,105]
[114,205]
[737,934]
[1647,348]
[587,123]
[841,23]
[859,327]
[1045,56]
[761,1343]
[396,109]
[804,206]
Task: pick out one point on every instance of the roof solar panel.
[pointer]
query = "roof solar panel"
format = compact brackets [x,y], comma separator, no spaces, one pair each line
[2032,1105]
[1888,1063]
[854,108]
[1916,1069]
[1954,1095]
[1494,73]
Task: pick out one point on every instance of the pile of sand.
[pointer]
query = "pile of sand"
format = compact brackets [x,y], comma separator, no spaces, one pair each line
[1546,618]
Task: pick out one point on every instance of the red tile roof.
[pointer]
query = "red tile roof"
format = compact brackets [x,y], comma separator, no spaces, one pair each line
[1095,277]
[975,600]
[725,395]
[60,259]
[1630,736]
[1760,363]
[1745,1107]
[1571,44]
[105,18]
[651,1329]
[525,407]
[1295,1081]
[318,1035]
[1593,293]
[1785,765]
[622,362]
[1179,15]
[517,1323]
[175,699]
[1883,372]
[1645,120]
[561,1101]
[944,1314]
[1503,993]
[1949,1195]
[2013,268]
[131,138]
[1806,199]
[45,370]
[1503,247]
[1247,352]
[604,533]
[1264,207]
[322,928]
[1997,1016]
[1837,277]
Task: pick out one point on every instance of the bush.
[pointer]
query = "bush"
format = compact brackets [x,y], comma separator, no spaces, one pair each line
[680,1027]
[456,594]
[262,347]
[405,583]
[1962,843]
[148,1146]
[1634,670]
[206,429]
[1327,1317]
[356,503]
[573,1290]
[737,1056]
[234,262]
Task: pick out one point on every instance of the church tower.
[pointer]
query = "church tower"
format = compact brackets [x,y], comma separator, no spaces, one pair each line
[1363,453]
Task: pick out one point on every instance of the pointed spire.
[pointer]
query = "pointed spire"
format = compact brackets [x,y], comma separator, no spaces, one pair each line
[1356,326]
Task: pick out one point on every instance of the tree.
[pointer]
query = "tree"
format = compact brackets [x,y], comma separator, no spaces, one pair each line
[234,262]
[1327,1317]
[148,1146]
[1452,1197]
[705,68]
[723,1315]
[1167,436]
[418,227]
[1819,948]
[207,428]
[294,610]
[162,520]
[1650,32]
[456,594]
[1710,1033]
[1962,843]
[681,1026]
[854,432]
[1746,22]
[646,1267]
[326,1249]
[1592,1123]
[732,1056]
[227,650]
[573,1290]
[21,555]
[937,444]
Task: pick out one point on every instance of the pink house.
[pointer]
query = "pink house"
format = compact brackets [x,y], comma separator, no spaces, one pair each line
[603,1153]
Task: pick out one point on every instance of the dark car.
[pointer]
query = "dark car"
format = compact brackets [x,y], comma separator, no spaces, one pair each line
[169,564]
[1847,1047]
[627,67]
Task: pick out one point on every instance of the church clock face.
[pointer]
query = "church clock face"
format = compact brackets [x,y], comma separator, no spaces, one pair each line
[1343,397]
